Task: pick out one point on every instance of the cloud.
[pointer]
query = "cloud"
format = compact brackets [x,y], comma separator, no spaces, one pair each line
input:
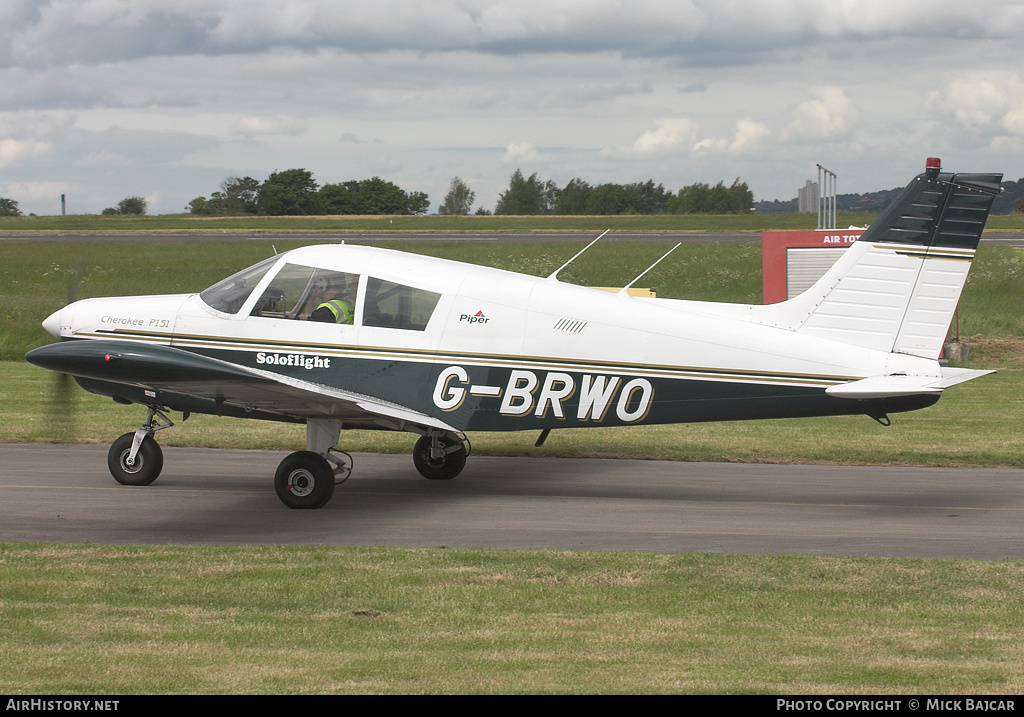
[36,125]
[13,152]
[103,158]
[523,152]
[35,191]
[828,118]
[748,136]
[990,101]
[673,134]
[746,140]
[250,127]
[428,90]
[49,32]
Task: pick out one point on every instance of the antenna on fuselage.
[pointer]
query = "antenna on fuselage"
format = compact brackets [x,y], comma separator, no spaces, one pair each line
[554,274]
[625,289]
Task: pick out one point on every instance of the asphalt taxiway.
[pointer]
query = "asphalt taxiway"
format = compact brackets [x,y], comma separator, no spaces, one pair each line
[1012,238]
[226,497]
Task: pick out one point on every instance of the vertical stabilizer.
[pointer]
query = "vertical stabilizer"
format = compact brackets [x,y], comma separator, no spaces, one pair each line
[896,288]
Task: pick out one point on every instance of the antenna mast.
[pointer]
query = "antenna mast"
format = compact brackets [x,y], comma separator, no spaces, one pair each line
[625,290]
[554,274]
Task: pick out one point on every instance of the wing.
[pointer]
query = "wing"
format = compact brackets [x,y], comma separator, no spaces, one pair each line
[163,375]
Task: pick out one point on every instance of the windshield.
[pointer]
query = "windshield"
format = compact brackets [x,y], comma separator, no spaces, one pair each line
[229,295]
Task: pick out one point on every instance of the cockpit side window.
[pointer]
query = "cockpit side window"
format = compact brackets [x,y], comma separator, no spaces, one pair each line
[229,295]
[300,292]
[397,306]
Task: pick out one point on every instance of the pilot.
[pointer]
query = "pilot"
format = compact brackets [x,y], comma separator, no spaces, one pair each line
[336,307]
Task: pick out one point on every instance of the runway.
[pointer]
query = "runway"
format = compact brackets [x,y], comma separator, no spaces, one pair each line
[373,238]
[226,497]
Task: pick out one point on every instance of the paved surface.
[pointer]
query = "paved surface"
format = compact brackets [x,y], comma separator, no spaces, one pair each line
[64,494]
[1010,238]
[373,237]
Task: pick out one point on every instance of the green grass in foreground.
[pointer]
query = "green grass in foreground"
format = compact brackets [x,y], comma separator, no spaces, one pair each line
[129,620]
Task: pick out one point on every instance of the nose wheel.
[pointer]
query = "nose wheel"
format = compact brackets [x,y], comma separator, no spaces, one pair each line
[143,468]
[135,458]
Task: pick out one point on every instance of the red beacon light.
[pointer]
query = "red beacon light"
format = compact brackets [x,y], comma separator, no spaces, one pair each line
[932,167]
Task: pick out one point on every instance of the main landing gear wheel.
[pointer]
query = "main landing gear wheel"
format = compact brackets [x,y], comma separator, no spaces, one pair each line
[304,480]
[433,466]
[149,460]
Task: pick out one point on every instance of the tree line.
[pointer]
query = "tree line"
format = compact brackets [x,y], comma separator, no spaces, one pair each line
[295,192]
[530,195]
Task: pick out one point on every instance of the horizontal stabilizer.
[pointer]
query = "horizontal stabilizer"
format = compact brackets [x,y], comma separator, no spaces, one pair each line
[953,376]
[903,385]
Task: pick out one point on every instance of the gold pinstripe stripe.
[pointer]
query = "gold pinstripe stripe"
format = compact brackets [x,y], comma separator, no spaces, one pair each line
[474,358]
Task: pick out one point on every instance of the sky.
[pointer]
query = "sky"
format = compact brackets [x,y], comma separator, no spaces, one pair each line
[105,99]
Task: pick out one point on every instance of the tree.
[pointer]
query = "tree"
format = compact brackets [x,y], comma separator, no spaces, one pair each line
[419,203]
[379,196]
[341,198]
[199,206]
[459,199]
[528,196]
[742,199]
[291,192]
[719,199]
[9,208]
[1018,206]
[129,205]
[241,195]
[646,198]
[575,198]
[608,199]
[370,196]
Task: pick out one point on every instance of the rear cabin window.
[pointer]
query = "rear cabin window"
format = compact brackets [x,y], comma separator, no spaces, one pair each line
[396,306]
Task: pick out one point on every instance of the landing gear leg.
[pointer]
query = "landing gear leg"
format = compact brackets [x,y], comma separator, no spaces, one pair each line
[440,456]
[306,479]
[136,458]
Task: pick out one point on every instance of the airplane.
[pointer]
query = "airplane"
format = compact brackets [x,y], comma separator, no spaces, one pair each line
[441,348]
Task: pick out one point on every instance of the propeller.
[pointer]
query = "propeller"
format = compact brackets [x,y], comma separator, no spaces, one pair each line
[60,420]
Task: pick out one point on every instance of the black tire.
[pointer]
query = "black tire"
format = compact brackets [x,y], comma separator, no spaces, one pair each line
[304,480]
[149,461]
[438,468]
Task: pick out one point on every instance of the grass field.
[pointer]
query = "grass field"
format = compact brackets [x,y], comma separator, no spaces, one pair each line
[170,619]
